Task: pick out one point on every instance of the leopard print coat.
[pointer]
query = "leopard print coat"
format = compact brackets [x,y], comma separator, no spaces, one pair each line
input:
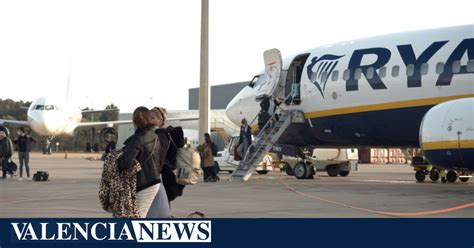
[118,190]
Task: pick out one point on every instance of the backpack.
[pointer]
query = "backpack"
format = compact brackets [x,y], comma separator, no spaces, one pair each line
[215,150]
[188,165]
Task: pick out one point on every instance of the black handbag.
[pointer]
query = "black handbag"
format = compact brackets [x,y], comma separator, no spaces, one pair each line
[12,167]
[41,176]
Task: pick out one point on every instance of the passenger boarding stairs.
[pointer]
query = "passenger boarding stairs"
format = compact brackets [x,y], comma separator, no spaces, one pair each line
[264,141]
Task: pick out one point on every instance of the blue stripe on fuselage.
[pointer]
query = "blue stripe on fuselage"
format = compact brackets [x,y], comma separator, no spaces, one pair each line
[382,128]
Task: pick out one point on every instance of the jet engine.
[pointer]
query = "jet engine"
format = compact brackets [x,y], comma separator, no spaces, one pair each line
[109,134]
[447,135]
[5,129]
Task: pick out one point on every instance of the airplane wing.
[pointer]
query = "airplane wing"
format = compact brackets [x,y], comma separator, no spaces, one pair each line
[13,122]
[124,122]
[98,111]
[104,123]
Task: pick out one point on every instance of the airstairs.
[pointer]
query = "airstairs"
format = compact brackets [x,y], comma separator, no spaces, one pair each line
[264,141]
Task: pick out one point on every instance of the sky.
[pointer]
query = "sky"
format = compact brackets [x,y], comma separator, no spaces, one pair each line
[147,52]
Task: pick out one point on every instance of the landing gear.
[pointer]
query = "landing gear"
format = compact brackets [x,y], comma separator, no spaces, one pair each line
[262,172]
[47,149]
[300,170]
[452,176]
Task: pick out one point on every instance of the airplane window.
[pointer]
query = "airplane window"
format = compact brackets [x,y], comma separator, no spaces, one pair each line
[358,74]
[370,73]
[410,70]
[382,71]
[254,81]
[346,74]
[39,107]
[424,68]
[395,70]
[470,65]
[456,66]
[335,75]
[440,68]
[49,107]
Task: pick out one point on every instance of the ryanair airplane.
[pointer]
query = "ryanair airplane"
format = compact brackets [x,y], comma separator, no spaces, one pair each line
[406,90]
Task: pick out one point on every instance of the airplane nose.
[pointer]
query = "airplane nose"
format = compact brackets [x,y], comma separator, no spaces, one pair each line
[38,126]
[232,111]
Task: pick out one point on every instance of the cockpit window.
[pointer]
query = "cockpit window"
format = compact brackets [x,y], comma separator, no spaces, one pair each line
[44,107]
[254,81]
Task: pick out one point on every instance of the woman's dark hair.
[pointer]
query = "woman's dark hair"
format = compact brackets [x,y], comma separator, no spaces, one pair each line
[141,117]
[207,137]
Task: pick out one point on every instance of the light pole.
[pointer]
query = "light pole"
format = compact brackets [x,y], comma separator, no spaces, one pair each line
[204,73]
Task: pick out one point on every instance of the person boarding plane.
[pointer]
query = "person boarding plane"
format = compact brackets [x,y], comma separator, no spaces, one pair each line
[412,89]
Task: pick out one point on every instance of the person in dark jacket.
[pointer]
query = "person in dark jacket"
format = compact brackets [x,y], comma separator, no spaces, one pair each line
[144,147]
[245,138]
[6,151]
[176,139]
[23,142]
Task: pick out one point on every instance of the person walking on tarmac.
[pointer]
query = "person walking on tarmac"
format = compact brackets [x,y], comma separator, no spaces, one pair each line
[208,160]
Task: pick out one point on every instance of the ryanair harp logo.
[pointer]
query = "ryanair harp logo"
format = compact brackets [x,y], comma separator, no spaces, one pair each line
[320,69]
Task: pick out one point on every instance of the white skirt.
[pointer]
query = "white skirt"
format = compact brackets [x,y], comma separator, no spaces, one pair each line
[145,198]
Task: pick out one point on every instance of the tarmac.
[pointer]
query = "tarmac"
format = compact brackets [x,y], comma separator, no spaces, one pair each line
[374,191]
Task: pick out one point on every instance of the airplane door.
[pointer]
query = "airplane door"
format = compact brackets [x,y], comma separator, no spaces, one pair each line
[273,65]
[293,79]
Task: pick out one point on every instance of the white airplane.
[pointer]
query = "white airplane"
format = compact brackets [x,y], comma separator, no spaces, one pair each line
[52,116]
[412,89]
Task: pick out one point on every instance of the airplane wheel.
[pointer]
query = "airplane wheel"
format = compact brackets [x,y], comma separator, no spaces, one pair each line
[289,171]
[333,170]
[434,176]
[301,170]
[451,176]
[262,172]
[420,176]
[464,179]
[344,173]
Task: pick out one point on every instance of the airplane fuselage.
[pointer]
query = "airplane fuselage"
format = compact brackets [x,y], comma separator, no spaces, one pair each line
[371,92]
